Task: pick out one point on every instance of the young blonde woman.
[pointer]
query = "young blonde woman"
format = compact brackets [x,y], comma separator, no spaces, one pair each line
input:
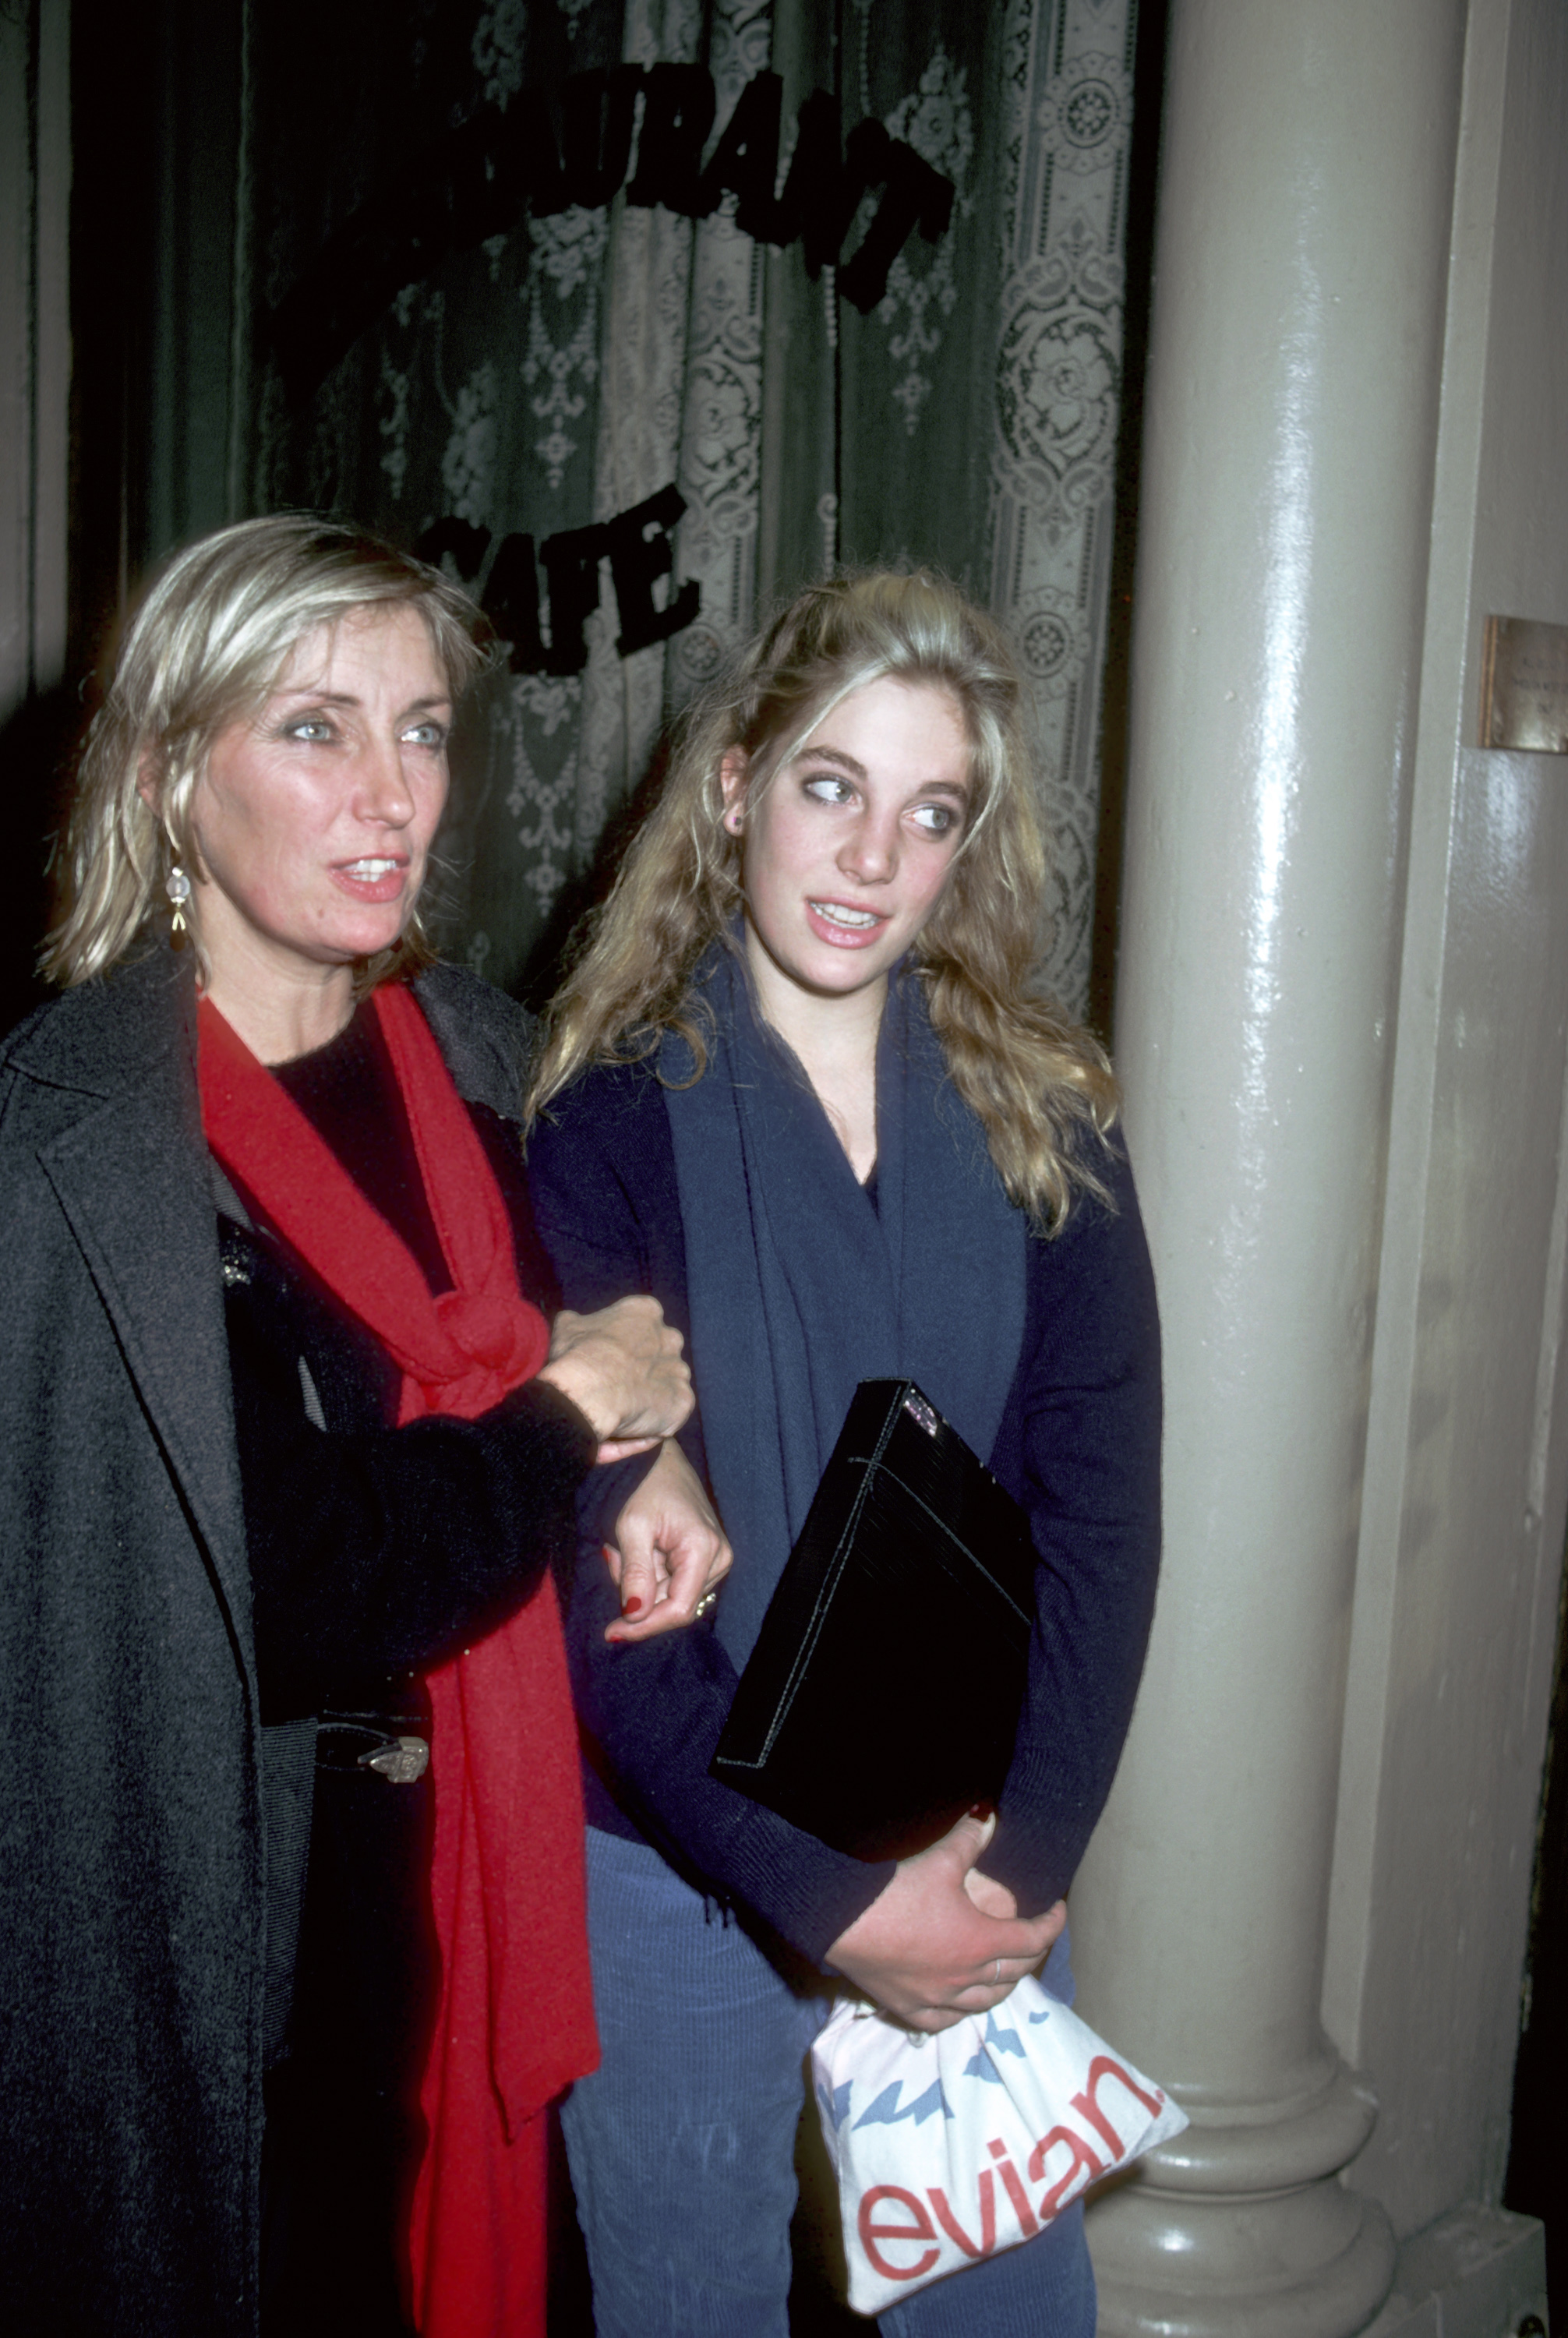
[801,1088]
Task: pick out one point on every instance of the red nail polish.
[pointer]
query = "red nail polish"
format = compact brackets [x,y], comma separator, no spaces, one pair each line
[982,1811]
[632,1606]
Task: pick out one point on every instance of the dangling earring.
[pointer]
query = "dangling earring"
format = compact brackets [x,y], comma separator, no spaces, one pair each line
[177,885]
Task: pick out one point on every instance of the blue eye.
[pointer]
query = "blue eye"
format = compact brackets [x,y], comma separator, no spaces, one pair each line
[426,734]
[937,819]
[314,730]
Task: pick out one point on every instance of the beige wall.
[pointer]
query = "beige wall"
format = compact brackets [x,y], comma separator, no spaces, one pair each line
[1341,1023]
[1462,1522]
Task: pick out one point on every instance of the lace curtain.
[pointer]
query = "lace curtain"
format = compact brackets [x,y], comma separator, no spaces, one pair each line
[567,369]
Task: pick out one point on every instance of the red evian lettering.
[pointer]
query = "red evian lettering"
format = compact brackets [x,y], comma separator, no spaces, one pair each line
[1082,2158]
[1028,2222]
[918,2229]
[954,2230]
[1102,2067]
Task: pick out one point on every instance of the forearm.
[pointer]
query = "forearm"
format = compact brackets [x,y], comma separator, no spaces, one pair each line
[1084,1460]
[652,1714]
[1060,1774]
[391,1548]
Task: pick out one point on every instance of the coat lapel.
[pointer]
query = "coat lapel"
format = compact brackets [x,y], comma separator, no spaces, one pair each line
[130,1174]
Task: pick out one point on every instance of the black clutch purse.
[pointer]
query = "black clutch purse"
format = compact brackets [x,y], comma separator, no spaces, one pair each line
[882,1697]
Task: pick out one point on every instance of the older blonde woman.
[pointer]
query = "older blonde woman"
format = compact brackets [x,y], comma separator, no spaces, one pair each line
[288,1445]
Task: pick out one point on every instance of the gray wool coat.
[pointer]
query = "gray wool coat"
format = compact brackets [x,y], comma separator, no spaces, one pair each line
[133,1860]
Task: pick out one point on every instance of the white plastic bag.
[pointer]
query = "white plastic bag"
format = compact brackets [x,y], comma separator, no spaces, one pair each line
[948,2148]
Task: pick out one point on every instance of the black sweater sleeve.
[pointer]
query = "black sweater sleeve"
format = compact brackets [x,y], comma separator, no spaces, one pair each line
[374,1550]
[1079,1447]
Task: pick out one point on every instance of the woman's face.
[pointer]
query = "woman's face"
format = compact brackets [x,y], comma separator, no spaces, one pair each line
[313,819]
[845,853]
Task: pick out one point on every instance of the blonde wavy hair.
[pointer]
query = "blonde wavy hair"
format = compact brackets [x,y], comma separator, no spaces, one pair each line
[206,650]
[1041,1088]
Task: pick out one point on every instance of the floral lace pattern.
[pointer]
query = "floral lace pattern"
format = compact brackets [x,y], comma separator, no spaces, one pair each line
[541,801]
[468,464]
[497,49]
[562,359]
[1058,404]
[719,472]
[937,122]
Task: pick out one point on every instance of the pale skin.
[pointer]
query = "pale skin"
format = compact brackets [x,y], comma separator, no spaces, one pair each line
[313,819]
[845,853]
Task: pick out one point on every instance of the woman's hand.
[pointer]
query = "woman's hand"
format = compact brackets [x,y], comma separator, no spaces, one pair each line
[623,1369]
[671,1553]
[924,1949]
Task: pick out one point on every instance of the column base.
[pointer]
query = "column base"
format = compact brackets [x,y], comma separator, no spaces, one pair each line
[1245,2231]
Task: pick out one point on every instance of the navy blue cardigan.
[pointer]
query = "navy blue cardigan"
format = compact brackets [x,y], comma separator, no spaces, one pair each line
[1078,1445]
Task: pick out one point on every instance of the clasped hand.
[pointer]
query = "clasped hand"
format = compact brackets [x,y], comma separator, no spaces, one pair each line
[623,1369]
[941,1940]
[670,1549]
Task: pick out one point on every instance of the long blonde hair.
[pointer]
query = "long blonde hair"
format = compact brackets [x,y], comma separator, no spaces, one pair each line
[1041,1088]
[207,648]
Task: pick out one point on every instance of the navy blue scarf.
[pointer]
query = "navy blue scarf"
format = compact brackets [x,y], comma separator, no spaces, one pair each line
[801,1286]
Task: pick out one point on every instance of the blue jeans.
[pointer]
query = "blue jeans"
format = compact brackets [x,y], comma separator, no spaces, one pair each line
[682,2143]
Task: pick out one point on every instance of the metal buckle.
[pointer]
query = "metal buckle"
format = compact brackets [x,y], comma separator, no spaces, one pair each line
[401,1763]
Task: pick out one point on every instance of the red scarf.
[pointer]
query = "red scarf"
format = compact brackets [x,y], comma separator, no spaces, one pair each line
[515,2020]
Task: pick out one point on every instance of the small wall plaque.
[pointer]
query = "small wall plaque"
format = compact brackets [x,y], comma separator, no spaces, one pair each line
[1525,686]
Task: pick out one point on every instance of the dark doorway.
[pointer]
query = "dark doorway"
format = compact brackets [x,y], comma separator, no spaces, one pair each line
[1538,2158]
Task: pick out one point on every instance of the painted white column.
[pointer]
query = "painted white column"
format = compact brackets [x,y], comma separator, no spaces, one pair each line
[1302,248]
